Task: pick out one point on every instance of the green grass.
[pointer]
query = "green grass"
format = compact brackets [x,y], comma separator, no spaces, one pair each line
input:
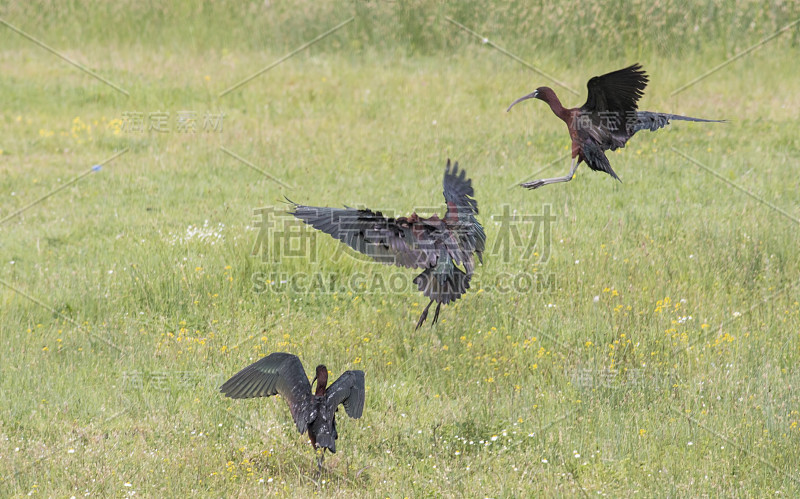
[499,399]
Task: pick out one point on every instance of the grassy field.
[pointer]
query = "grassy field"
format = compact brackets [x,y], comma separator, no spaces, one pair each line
[645,339]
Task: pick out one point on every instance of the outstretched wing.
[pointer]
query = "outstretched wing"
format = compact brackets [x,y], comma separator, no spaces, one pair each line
[400,242]
[277,373]
[460,216]
[604,121]
[348,390]
[646,120]
[610,108]
[618,91]
[458,191]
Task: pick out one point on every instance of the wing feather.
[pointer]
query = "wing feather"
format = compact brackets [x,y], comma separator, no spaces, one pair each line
[398,242]
[610,108]
[618,91]
[348,390]
[277,373]
[646,120]
[462,208]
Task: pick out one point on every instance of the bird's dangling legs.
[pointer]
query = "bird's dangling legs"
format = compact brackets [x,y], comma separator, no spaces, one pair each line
[436,315]
[425,315]
[538,183]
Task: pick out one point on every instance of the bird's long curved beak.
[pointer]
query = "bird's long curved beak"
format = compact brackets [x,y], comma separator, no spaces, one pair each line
[529,96]
[313,381]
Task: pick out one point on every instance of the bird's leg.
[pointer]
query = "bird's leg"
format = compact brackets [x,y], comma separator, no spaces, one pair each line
[538,183]
[436,315]
[320,459]
[424,315]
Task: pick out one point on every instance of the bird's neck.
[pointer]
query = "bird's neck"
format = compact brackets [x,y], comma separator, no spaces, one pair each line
[322,383]
[558,109]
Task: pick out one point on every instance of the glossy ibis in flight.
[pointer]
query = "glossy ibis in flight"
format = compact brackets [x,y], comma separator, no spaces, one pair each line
[436,245]
[315,413]
[607,120]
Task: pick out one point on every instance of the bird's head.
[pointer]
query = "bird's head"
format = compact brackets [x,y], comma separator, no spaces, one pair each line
[321,377]
[540,93]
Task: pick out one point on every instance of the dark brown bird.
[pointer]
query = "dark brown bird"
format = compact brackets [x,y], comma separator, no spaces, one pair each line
[437,245]
[607,120]
[315,413]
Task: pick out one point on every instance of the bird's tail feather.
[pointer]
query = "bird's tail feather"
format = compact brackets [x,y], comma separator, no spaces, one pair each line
[443,285]
[596,159]
[326,441]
